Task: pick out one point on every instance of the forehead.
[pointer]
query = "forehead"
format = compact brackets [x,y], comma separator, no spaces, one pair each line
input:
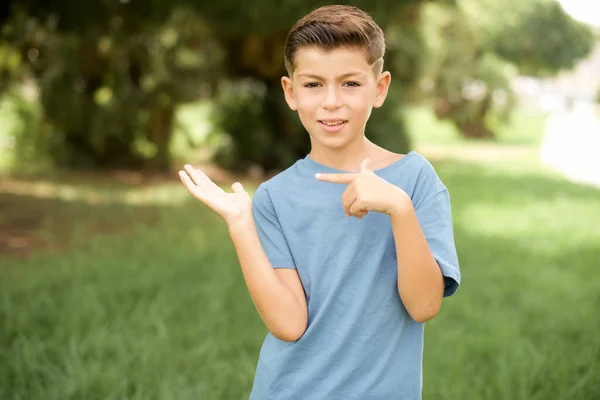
[316,61]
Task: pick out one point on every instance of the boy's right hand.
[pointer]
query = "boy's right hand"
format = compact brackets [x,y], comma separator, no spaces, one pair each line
[232,207]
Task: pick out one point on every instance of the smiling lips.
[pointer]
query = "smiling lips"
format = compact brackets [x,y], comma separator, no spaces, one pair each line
[332,125]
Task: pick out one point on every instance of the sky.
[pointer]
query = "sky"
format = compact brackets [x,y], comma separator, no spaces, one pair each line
[587,11]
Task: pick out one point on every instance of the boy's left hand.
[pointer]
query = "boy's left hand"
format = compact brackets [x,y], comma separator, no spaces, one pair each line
[367,192]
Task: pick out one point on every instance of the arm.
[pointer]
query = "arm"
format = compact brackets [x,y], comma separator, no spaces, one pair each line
[419,234]
[420,280]
[277,294]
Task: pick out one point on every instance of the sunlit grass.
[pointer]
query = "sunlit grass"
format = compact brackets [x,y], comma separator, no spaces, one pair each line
[522,128]
[98,192]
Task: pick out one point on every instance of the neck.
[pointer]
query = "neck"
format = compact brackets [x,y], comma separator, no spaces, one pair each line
[348,158]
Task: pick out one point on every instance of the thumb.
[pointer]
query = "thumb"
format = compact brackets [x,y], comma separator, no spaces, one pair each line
[237,187]
[364,166]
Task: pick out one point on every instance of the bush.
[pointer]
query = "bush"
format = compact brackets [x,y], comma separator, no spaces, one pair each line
[25,144]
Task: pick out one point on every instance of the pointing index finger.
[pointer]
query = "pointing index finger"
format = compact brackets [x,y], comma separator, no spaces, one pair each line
[337,178]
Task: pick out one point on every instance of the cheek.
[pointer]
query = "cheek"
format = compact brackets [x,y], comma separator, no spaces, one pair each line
[360,105]
[307,104]
[359,99]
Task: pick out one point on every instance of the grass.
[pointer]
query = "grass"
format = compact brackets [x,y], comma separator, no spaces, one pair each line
[133,291]
[522,128]
[157,311]
[157,308]
[522,326]
[516,148]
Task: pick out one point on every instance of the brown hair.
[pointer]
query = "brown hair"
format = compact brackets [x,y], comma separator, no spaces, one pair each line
[335,26]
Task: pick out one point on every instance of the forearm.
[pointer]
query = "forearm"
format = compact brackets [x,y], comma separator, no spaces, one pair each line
[285,316]
[420,280]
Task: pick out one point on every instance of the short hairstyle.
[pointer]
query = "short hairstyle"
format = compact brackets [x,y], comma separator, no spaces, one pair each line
[336,26]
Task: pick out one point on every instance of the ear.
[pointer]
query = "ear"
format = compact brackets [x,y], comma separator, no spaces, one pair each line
[383,84]
[288,91]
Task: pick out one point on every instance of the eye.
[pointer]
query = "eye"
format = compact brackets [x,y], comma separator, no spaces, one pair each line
[352,84]
[311,85]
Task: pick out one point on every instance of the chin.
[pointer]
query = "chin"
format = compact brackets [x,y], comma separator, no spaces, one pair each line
[330,142]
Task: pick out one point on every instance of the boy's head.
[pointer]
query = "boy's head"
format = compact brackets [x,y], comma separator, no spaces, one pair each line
[334,57]
[334,27]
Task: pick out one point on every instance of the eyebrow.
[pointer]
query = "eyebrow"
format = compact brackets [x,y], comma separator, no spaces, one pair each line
[348,75]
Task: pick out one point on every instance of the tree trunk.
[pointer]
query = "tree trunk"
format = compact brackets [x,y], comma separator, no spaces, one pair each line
[160,130]
[475,127]
[476,130]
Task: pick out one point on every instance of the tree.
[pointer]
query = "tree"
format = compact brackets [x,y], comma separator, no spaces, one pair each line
[111,74]
[110,82]
[549,40]
[476,47]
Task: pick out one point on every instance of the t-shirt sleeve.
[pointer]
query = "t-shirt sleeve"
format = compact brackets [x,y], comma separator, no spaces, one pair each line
[435,218]
[269,230]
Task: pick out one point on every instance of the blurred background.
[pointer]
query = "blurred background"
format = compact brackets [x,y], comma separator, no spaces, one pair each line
[116,284]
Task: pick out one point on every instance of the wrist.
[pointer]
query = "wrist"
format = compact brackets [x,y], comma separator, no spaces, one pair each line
[401,204]
[240,223]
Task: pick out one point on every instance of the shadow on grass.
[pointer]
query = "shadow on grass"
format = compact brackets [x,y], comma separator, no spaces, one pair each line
[29,223]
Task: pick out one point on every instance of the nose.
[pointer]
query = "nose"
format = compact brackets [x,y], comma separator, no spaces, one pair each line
[332,99]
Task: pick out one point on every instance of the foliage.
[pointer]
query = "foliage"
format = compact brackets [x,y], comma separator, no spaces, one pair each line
[549,40]
[468,83]
[111,74]
[477,47]
[104,93]
[23,153]
[269,143]
[108,95]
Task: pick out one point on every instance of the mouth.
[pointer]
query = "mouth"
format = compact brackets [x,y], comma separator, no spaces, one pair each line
[332,122]
[332,125]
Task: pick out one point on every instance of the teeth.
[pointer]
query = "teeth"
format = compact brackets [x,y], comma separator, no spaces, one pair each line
[332,123]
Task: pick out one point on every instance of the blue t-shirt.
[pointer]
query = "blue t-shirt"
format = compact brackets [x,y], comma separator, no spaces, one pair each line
[360,342]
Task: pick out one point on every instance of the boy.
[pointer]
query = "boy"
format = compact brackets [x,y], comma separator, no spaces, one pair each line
[350,250]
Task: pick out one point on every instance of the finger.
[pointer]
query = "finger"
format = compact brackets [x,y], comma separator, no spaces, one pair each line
[348,197]
[364,166]
[197,176]
[237,187]
[337,178]
[357,209]
[361,214]
[190,185]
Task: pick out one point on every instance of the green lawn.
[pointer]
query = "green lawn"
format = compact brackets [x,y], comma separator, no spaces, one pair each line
[522,128]
[144,299]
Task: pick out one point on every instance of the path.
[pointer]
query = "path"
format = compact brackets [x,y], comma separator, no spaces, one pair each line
[571,146]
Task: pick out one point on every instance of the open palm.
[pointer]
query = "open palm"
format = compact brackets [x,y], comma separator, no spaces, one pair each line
[230,206]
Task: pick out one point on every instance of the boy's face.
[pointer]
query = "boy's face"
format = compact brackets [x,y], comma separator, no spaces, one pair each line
[334,93]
